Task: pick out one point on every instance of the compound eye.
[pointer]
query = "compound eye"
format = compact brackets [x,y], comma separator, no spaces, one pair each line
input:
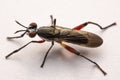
[32,34]
[32,25]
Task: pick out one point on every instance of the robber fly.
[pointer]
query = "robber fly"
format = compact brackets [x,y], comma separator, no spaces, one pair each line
[60,35]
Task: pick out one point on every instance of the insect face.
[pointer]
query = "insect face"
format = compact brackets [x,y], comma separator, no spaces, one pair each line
[32,30]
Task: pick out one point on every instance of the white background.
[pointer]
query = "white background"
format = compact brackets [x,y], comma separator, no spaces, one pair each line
[60,64]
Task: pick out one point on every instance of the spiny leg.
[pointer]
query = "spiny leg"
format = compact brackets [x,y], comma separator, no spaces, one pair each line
[95,64]
[86,23]
[77,53]
[52,20]
[15,51]
[17,36]
[47,54]
[19,31]
[54,24]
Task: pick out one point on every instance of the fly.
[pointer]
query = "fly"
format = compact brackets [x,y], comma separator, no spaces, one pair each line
[60,35]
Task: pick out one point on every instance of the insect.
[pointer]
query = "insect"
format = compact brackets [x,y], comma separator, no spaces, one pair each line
[60,35]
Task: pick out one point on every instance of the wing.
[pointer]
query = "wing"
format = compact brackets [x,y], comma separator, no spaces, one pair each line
[72,36]
[82,38]
[76,39]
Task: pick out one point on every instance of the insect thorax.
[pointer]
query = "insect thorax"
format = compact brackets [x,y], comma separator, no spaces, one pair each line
[48,33]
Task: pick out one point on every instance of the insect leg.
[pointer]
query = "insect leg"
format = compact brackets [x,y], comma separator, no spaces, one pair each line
[15,51]
[19,31]
[78,53]
[17,36]
[52,21]
[47,54]
[86,23]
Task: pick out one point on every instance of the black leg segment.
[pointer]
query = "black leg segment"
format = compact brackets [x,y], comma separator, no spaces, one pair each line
[47,54]
[78,53]
[15,51]
[17,36]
